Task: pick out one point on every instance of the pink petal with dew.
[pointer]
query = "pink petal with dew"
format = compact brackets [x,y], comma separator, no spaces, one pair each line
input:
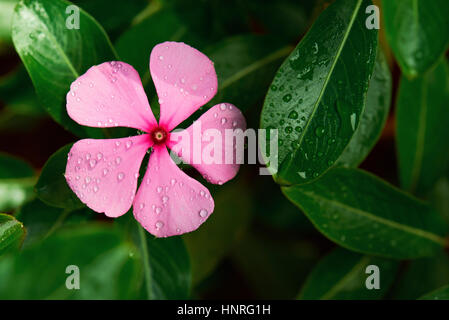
[184,78]
[103,173]
[110,95]
[214,167]
[168,201]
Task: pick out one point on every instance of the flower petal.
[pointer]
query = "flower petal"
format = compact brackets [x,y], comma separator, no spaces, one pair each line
[184,78]
[103,173]
[216,169]
[168,201]
[110,95]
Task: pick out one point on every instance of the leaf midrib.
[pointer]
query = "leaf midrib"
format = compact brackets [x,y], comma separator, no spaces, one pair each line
[328,77]
[392,224]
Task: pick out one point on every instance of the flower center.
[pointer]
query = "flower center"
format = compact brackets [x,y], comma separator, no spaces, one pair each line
[159,135]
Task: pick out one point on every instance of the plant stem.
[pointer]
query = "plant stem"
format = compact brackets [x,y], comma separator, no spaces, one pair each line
[146,261]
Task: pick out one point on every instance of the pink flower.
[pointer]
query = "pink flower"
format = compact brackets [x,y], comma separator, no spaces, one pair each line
[104,173]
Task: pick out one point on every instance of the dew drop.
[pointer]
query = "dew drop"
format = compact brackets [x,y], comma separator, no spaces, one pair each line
[159,224]
[223,121]
[203,213]
[120,176]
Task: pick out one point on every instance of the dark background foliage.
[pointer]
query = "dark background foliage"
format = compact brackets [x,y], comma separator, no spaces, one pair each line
[268,238]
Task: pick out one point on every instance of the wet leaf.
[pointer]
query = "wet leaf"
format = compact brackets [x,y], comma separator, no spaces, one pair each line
[362,213]
[12,233]
[317,97]
[377,106]
[55,55]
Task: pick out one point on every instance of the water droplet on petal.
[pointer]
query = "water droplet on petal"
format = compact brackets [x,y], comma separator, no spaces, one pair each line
[159,224]
[120,176]
[203,213]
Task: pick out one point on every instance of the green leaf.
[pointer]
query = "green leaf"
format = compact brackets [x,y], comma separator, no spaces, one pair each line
[255,60]
[377,106]
[42,220]
[215,239]
[6,10]
[363,213]
[55,56]
[134,46]
[166,265]
[16,182]
[423,128]
[431,272]
[318,95]
[113,15]
[52,188]
[417,31]
[341,275]
[439,294]
[12,233]
[109,266]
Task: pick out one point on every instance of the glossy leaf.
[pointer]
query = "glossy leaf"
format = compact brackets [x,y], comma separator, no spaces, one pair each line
[417,31]
[212,242]
[16,182]
[423,128]
[55,55]
[108,265]
[317,97]
[377,106]
[342,275]
[52,187]
[12,233]
[363,213]
[439,294]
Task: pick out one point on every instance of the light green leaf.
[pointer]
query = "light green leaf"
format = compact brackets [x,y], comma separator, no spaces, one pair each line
[16,182]
[439,294]
[12,233]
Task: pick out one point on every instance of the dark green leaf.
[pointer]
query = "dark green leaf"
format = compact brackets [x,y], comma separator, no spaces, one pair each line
[166,265]
[421,276]
[242,78]
[52,188]
[109,267]
[417,31]
[55,55]
[318,94]
[423,129]
[209,244]
[363,213]
[16,182]
[341,275]
[135,45]
[373,119]
[114,16]
[439,294]
[12,233]
[42,220]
